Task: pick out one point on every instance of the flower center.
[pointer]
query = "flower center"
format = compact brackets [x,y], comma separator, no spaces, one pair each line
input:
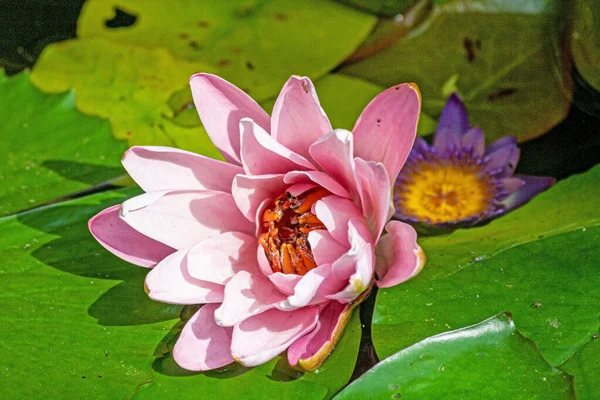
[444,190]
[285,231]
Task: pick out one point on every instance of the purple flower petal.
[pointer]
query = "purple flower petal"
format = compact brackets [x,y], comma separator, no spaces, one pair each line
[420,145]
[475,140]
[454,122]
[502,142]
[512,184]
[533,185]
[505,158]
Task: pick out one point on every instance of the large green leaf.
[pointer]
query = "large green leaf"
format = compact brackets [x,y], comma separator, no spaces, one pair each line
[539,262]
[510,86]
[79,325]
[276,378]
[49,150]
[585,366]
[389,8]
[110,82]
[489,360]
[586,41]
[256,44]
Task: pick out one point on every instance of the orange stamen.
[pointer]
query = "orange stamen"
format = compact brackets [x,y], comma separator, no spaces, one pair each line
[288,268]
[285,229]
[311,199]
[297,261]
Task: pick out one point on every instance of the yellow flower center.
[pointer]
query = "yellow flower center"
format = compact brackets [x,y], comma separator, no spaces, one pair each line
[443,191]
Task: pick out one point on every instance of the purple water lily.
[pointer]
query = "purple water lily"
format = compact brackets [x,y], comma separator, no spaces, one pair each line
[457,181]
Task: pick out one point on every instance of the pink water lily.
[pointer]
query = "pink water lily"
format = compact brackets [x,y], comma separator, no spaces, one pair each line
[284,239]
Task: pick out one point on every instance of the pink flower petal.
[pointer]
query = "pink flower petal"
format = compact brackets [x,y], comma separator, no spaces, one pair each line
[386,129]
[334,152]
[263,262]
[399,257]
[299,188]
[249,192]
[320,178]
[170,282]
[246,295]
[261,154]
[308,352]
[313,288]
[285,283]
[361,279]
[298,119]
[219,258]
[335,213]
[124,241]
[162,168]
[221,106]
[324,247]
[183,218]
[358,237]
[375,194]
[258,227]
[203,345]
[262,337]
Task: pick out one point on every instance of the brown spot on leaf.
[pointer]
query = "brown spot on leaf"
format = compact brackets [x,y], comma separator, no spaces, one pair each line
[194,45]
[469,46]
[281,17]
[537,304]
[501,93]
[203,24]
[184,35]
[249,65]
[237,50]
[223,62]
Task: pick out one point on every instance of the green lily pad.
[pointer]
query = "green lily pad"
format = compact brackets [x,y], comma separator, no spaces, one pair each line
[388,8]
[109,83]
[585,41]
[281,380]
[49,150]
[510,87]
[484,361]
[81,325]
[539,262]
[585,366]
[255,44]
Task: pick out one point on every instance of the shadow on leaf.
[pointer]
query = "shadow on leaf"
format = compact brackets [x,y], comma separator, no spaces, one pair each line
[90,174]
[75,251]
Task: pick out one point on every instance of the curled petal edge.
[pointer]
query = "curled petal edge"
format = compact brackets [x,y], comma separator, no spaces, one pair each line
[313,362]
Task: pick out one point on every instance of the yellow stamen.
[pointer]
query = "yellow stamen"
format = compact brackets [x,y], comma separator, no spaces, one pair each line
[442,191]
